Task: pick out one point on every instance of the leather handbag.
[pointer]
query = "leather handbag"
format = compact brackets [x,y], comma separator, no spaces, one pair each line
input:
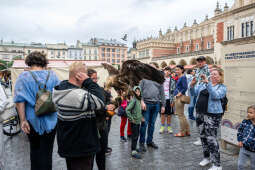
[185,99]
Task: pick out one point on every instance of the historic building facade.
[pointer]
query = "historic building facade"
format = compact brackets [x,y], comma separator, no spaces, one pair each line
[57,51]
[189,42]
[10,50]
[112,51]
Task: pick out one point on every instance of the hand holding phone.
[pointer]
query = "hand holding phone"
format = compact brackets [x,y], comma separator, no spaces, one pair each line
[204,79]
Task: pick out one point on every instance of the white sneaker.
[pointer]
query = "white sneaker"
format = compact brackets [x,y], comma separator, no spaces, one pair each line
[215,168]
[198,142]
[204,162]
[169,129]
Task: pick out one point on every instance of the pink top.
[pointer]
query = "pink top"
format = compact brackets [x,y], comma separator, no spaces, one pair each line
[124,104]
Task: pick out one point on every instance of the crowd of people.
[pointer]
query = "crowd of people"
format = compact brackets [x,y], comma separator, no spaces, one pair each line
[82,116]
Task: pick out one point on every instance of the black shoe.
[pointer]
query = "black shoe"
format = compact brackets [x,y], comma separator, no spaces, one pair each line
[142,148]
[108,151]
[123,139]
[129,137]
[153,145]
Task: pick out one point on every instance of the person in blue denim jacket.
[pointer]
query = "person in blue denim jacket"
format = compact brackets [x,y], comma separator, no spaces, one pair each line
[246,139]
[211,117]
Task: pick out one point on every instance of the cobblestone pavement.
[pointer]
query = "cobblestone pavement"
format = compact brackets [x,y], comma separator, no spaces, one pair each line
[173,153]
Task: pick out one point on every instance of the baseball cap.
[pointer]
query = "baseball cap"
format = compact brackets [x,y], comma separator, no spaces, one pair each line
[201,58]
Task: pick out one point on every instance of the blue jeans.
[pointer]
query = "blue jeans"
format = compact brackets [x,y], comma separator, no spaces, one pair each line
[192,107]
[191,110]
[150,116]
[244,157]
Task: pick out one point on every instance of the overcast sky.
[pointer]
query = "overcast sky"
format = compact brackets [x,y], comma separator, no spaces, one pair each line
[52,21]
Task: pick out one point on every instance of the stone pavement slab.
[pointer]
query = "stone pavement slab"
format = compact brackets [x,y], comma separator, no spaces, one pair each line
[173,153]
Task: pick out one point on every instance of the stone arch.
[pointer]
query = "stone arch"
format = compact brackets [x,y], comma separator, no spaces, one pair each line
[193,61]
[183,62]
[172,62]
[209,60]
[163,64]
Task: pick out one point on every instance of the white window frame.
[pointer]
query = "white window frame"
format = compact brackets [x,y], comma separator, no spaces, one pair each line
[187,48]
[247,32]
[209,45]
[197,46]
[230,33]
[178,50]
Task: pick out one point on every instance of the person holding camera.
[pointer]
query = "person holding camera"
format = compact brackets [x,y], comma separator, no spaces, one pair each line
[209,106]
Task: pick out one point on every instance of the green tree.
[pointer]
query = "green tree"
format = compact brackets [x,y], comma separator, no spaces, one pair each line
[5,64]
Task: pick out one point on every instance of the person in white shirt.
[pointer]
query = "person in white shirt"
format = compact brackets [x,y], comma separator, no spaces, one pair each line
[169,87]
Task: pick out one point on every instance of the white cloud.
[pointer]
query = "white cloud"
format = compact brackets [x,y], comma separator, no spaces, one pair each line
[69,20]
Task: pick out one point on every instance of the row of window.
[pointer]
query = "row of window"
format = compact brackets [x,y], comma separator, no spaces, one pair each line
[74,53]
[247,30]
[112,50]
[197,47]
[90,51]
[79,57]
[113,55]
[144,53]
[58,53]
[113,61]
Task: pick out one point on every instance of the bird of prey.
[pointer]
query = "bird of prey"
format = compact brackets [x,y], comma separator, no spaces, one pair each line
[124,38]
[130,74]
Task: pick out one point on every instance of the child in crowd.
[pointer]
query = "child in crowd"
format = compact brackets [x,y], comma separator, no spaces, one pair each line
[246,139]
[169,87]
[134,114]
[124,120]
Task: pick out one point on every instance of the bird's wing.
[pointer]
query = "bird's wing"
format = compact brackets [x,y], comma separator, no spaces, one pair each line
[132,71]
[111,70]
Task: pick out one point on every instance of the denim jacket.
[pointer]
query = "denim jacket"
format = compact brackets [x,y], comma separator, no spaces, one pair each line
[215,94]
[246,135]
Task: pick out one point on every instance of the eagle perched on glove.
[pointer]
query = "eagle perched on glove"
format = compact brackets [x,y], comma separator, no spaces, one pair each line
[130,74]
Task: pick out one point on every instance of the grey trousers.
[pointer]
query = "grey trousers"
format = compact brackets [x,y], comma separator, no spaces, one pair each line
[244,157]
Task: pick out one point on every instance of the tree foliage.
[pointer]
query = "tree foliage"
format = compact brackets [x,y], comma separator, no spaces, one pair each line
[5,64]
